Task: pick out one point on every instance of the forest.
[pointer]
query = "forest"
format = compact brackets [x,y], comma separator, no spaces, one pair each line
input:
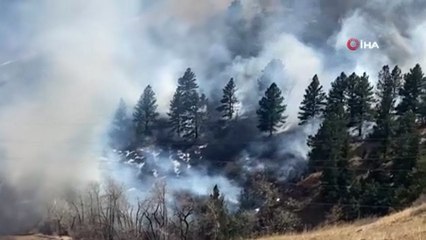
[365,158]
[237,120]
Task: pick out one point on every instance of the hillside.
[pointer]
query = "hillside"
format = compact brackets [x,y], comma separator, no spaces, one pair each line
[34,237]
[409,224]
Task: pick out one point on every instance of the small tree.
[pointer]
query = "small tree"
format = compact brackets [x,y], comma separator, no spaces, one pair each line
[213,218]
[145,112]
[313,102]
[228,101]
[271,110]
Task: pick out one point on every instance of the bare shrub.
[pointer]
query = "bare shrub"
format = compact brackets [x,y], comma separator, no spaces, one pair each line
[104,213]
[182,222]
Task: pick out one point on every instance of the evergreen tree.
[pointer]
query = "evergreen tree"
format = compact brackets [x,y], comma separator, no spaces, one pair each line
[313,102]
[336,96]
[376,184]
[228,101]
[175,112]
[327,142]
[387,87]
[333,158]
[360,102]
[271,110]
[120,135]
[404,164]
[348,187]
[145,112]
[387,94]
[330,150]
[213,219]
[184,107]
[411,91]
[352,98]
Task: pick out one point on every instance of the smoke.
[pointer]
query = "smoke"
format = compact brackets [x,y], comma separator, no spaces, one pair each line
[65,64]
[145,166]
[52,117]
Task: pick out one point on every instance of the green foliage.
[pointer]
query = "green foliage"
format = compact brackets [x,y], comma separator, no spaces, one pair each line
[214,221]
[387,93]
[335,173]
[411,91]
[184,107]
[274,213]
[377,184]
[228,101]
[120,135]
[327,143]
[145,113]
[271,110]
[175,112]
[385,128]
[404,164]
[313,102]
[360,100]
[336,96]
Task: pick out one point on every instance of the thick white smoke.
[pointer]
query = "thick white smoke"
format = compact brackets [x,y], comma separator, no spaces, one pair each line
[65,64]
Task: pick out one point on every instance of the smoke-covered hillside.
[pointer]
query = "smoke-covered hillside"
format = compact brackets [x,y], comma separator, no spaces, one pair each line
[226,95]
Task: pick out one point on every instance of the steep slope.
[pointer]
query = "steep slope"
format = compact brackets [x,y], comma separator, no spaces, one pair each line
[409,224]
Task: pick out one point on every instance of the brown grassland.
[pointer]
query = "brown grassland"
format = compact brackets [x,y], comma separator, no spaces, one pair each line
[409,224]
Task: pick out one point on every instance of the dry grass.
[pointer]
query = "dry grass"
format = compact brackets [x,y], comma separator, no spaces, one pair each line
[409,224]
[34,237]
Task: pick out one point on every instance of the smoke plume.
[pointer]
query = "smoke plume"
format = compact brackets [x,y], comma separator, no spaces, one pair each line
[64,65]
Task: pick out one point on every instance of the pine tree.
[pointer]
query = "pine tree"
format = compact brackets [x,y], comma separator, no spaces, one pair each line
[347,186]
[326,144]
[175,112]
[184,107]
[376,184]
[360,107]
[336,96]
[404,163]
[352,98]
[313,102]
[120,135]
[271,110]
[213,220]
[228,101]
[387,94]
[411,91]
[145,112]
[332,157]
[330,149]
